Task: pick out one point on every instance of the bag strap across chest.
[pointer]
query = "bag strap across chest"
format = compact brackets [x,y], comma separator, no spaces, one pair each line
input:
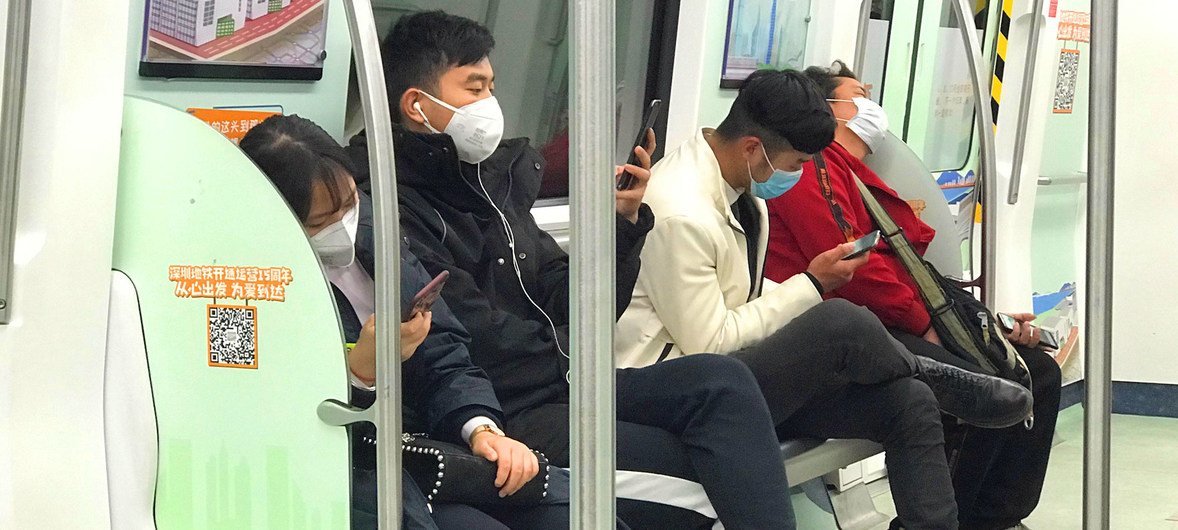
[939,305]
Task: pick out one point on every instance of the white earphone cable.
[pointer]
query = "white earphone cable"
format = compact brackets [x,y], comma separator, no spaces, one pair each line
[515,265]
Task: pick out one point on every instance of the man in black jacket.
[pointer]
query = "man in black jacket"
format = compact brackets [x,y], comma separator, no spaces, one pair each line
[465,207]
[445,395]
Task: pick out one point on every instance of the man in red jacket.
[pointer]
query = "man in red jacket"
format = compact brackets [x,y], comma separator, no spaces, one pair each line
[999,473]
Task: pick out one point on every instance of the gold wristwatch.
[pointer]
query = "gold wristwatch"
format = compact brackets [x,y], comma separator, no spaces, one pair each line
[486,427]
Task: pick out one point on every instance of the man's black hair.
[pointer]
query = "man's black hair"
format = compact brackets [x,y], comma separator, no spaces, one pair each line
[295,153]
[423,46]
[828,79]
[784,109]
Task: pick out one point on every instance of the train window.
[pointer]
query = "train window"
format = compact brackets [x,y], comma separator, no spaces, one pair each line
[949,122]
[531,61]
[917,68]
[639,46]
[879,30]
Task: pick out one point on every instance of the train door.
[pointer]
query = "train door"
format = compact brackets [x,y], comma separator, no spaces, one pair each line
[1053,233]
[914,60]
[917,60]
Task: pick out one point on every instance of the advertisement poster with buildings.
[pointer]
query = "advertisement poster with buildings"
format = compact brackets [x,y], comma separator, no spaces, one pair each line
[764,34]
[234,38]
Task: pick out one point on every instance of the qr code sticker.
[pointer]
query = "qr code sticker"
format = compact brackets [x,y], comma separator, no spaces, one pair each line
[233,336]
[1065,84]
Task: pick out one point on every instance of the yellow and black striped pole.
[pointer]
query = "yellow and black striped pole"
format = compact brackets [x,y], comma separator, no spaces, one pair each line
[1000,60]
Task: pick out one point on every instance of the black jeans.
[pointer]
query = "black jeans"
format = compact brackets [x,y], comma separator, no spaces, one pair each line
[999,473]
[682,424]
[835,372]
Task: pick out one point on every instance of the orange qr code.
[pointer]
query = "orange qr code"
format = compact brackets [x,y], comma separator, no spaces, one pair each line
[233,336]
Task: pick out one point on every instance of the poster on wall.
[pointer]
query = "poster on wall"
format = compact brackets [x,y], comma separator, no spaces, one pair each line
[1065,81]
[234,122]
[242,39]
[1074,26]
[763,34]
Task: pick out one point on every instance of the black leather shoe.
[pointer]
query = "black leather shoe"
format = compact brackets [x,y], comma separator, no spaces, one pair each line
[976,399]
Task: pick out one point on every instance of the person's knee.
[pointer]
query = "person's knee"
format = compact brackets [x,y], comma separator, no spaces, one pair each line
[1044,369]
[1046,379]
[720,375]
[914,406]
[835,307]
[914,394]
[844,319]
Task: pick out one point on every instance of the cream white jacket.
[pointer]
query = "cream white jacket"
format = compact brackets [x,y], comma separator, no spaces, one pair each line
[692,294]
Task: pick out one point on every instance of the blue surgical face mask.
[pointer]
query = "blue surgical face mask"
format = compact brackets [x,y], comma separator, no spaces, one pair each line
[779,182]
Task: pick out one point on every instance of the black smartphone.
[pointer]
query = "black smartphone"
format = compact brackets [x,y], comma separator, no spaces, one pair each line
[425,298]
[626,180]
[863,245]
[1047,338]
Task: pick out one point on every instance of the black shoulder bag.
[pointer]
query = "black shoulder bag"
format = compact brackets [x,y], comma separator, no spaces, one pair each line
[965,325]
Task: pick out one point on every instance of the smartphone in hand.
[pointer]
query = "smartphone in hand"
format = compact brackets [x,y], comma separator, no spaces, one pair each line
[863,245]
[1047,338]
[626,180]
[425,298]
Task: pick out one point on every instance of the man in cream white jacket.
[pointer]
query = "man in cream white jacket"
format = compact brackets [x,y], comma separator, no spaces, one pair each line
[827,369]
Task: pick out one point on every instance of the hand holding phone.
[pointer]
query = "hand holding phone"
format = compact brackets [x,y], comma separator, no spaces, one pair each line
[425,298]
[832,269]
[413,333]
[863,245]
[626,180]
[1047,338]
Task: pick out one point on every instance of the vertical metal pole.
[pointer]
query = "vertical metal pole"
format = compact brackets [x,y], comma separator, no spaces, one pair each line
[861,38]
[987,159]
[379,128]
[1099,313]
[12,111]
[593,233]
[1024,105]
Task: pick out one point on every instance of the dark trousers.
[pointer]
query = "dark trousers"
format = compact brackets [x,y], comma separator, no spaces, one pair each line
[836,372]
[689,431]
[999,473]
[553,512]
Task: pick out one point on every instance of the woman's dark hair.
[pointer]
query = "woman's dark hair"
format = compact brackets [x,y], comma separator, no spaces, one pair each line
[295,153]
[828,78]
[423,46]
[782,108]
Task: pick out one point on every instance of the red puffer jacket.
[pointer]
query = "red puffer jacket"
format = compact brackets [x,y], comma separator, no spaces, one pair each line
[802,225]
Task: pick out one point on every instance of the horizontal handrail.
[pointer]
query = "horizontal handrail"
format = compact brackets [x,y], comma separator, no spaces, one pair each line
[1058,180]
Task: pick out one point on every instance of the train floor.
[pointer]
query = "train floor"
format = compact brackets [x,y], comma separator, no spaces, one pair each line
[1144,478]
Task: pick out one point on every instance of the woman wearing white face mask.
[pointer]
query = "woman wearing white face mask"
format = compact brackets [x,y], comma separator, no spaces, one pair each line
[999,472]
[445,395]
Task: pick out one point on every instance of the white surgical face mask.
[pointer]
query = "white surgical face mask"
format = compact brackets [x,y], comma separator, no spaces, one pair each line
[475,128]
[870,122]
[336,243]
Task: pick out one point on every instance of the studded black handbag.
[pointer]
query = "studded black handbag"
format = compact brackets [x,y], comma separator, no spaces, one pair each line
[449,473]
